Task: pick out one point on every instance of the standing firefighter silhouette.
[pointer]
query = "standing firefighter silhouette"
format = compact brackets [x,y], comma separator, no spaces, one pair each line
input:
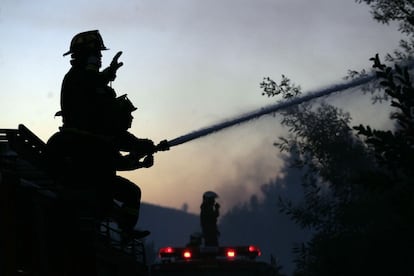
[208,218]
[85,154]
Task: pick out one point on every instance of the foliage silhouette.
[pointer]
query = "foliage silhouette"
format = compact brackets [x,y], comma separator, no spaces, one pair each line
[358,187]
[358,195]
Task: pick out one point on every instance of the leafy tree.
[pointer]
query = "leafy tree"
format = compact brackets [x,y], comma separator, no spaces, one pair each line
[359,195]
[386,11]
[359,189]
[333,160]
[394,151]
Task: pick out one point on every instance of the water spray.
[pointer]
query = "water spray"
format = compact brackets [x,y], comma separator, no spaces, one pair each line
[267,110]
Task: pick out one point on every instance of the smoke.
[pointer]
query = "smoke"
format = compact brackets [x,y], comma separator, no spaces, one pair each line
[248,172]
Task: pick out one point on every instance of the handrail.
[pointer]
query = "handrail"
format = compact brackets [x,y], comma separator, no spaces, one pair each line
[112,235]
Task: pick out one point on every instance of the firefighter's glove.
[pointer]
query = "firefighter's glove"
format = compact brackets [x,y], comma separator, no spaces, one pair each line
[163,146]
[148,161]
[145,146]
[113,67]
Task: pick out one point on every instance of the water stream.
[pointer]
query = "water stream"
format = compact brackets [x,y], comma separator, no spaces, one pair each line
[268,110]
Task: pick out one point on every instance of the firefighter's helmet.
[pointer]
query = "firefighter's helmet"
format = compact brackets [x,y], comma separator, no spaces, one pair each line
[210,195]
[125,104]
[86,42]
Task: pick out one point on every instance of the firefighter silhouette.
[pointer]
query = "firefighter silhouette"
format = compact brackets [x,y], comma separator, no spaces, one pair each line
[208,218]
[85,153]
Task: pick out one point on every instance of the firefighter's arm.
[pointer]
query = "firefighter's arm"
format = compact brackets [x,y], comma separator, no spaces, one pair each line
[130,143]
[141,157]
[132,161]
[217,209]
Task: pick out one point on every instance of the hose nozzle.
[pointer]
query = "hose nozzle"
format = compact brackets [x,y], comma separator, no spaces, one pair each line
[162,146]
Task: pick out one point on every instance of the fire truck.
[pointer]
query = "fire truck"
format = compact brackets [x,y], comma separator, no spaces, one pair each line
[211,261]
[34,223]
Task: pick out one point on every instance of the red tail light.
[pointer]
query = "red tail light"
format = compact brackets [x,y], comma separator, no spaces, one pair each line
[254,249]
[167,250]
[230,253]
[187,254]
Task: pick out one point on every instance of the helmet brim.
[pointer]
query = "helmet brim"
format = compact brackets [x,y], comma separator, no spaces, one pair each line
[71,52]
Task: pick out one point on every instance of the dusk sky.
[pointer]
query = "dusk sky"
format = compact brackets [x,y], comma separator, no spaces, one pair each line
[189,64]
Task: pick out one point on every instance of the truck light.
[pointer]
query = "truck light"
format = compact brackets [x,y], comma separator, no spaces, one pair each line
[172,254]
[187,254]
[230,253]
[255,249]
[166,251]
